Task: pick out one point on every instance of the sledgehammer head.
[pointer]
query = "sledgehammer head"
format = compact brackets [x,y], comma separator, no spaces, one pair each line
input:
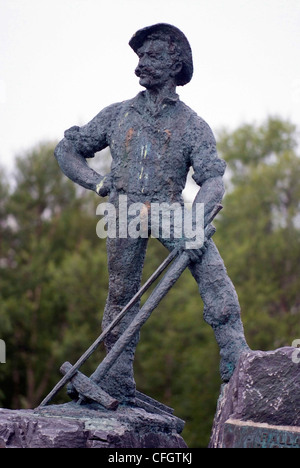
[90,389]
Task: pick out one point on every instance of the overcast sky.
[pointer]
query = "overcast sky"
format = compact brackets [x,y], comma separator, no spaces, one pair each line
[62,61]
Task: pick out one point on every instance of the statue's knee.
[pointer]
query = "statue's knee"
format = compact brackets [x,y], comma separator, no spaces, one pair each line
[221,314]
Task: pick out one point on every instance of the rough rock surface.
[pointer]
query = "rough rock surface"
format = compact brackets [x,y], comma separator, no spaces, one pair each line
[68,426]
[265,388]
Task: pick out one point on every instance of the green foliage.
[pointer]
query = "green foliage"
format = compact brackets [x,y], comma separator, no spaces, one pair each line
[250,145]
[53,277]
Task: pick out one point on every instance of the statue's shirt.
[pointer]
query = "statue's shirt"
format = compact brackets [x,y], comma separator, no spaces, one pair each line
[152,149]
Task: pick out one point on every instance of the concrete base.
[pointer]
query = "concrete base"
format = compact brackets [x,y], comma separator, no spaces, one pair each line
[73,426]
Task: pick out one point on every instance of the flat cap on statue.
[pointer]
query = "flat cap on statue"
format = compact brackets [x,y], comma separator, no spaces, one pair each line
[177,37]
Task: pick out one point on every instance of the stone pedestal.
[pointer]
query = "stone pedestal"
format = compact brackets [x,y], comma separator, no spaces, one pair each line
[263,400]
[72,426]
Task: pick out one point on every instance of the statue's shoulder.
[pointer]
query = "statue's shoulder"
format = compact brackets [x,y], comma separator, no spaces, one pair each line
[115,109]
[195,123]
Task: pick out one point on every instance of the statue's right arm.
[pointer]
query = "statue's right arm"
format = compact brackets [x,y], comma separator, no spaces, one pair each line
[81,143]
[74,166]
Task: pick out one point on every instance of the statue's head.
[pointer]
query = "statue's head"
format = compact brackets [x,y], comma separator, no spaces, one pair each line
[164,54]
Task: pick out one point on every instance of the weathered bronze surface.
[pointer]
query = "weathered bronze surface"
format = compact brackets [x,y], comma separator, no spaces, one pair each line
[154,139]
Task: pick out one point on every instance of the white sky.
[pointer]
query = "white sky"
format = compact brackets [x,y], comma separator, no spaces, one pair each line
[62,61]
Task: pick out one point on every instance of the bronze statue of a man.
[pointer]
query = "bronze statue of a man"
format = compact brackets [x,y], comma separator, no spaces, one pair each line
[154,139]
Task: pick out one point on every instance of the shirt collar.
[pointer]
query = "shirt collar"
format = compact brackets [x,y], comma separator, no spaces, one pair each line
[140,101]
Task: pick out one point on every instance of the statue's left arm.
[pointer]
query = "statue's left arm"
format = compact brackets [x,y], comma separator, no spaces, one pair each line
[208,168]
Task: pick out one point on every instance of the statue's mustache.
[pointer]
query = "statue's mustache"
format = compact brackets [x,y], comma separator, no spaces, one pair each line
[144,70]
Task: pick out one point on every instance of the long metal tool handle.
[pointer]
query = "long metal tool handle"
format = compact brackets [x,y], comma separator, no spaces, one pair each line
[165,284]
[184,258]
[152,302]
[70,374]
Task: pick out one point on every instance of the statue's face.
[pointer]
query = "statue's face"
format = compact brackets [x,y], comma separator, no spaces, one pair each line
[155,64]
